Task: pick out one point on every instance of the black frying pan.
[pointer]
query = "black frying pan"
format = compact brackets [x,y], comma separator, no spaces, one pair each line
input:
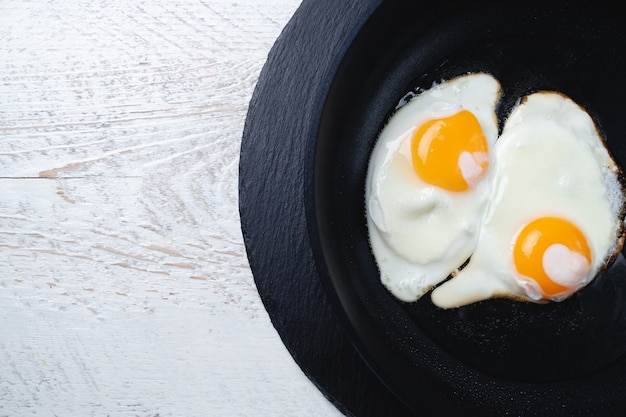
[341,76]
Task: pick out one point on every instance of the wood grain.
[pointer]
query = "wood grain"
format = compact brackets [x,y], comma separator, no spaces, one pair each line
[124,285]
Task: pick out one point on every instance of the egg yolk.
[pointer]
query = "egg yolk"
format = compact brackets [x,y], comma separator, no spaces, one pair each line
[450,152]
[554,253]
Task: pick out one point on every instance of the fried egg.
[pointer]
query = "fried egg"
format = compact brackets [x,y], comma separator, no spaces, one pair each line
[555,219]
[428,183]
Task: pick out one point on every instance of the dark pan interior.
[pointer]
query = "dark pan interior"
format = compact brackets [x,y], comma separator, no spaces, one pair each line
[498,355]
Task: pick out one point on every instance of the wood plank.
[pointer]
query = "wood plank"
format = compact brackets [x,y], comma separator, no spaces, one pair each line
[124,285]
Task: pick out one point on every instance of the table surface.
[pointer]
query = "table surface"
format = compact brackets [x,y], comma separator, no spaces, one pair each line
[124,284]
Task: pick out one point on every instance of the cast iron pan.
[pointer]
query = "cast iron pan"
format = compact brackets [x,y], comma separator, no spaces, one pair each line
[335,75]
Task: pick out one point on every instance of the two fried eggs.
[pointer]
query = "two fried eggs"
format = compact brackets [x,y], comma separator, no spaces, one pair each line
[538,210]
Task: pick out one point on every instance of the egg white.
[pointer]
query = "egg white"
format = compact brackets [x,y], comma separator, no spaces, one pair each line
[420,233]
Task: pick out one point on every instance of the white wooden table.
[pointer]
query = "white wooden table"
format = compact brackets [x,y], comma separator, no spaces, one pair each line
[124,285]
